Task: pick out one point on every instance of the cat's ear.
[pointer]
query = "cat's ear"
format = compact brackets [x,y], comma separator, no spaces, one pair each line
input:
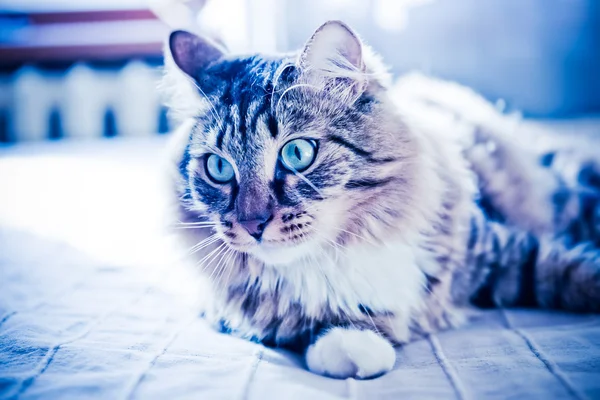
[193,53]
[335,52]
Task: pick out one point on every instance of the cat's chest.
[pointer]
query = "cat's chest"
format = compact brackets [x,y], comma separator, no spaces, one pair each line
[280,303]
[384,279]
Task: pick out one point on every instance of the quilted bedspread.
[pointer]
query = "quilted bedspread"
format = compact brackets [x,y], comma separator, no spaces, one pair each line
[92,307]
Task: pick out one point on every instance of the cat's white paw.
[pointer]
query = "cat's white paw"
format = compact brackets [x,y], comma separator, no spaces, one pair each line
[350,353]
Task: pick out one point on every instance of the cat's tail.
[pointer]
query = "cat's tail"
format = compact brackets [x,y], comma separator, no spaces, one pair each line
[514,268]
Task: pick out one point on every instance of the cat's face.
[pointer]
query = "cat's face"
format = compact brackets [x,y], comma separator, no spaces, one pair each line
[285,160]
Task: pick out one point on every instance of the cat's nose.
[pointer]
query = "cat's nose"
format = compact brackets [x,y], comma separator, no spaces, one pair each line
[256,226]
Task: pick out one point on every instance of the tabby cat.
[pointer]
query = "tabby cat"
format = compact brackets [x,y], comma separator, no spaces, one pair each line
[330,219]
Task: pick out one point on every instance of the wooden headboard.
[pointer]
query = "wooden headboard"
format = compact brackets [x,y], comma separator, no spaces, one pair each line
[40,37]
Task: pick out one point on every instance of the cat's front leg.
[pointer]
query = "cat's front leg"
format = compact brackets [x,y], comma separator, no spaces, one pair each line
[350,353]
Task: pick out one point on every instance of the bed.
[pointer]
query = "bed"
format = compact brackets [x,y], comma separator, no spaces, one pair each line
[93,306]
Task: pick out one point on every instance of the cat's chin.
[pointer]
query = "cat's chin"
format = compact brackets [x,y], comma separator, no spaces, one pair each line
[281,255]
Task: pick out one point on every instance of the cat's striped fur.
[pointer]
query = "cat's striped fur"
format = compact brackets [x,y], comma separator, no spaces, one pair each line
[396,223]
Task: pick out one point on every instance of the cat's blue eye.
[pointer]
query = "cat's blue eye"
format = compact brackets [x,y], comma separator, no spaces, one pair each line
[298,154]
[219,169]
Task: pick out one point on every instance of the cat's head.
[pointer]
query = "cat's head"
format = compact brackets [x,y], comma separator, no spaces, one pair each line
[292,154]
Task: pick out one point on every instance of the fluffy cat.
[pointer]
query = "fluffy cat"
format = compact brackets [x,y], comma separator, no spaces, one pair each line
[332,218]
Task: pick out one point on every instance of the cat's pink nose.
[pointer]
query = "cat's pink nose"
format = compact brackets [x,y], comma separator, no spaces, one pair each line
[256,226]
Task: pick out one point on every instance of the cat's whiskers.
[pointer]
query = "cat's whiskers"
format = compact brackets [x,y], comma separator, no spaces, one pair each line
[196,223]
[202,263]
[222,266]
[309,207]
[218,258]
[215,270]
[203,243]
[194,226]
[231,263]
[308,182]
[336,248]
[357,235]
[332,243]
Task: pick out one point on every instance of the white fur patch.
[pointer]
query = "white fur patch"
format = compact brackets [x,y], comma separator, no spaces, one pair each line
[385,278]
[275,255]
[350,353]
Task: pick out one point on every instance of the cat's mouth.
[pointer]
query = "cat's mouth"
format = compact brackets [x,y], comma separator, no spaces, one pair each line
[277,253]
[283,239]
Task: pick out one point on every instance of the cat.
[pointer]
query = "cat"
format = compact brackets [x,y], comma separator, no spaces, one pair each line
[331,219]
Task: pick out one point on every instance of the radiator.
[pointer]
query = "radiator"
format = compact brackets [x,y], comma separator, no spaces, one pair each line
[81,102]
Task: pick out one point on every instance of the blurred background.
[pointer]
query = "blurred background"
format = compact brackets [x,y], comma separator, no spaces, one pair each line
[89,68]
